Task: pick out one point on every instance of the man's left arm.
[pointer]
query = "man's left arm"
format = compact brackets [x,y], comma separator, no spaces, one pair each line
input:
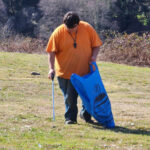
[95,51]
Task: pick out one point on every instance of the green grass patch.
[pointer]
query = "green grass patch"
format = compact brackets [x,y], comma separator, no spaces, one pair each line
[26,108]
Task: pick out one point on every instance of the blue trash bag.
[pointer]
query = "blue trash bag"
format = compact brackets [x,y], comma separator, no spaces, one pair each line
[94,96]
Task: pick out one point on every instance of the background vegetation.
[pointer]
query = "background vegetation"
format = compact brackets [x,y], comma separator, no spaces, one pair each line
[25,26]
[38,18]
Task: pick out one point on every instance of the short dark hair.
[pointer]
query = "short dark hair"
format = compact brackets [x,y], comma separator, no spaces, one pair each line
[71,19]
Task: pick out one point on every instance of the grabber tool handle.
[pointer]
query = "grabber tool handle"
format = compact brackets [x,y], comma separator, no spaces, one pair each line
[53,96]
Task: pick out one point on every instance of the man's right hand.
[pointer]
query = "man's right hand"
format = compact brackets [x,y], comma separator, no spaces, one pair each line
[51,74]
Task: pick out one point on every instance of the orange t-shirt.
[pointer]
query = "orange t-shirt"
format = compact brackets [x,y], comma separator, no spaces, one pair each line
[68,59]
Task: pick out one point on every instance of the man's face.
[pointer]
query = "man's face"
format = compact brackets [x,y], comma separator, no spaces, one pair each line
[74,29]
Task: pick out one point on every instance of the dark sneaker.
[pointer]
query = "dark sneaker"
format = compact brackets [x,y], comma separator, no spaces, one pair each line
[86,117]
[90,121]
[70,122]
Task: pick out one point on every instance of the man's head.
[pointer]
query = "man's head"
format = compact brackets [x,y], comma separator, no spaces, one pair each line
[71,19]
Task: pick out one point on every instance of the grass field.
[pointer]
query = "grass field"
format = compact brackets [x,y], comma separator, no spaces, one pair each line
[26,108]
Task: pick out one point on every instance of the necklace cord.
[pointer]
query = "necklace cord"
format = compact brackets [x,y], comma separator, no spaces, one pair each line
[74,39]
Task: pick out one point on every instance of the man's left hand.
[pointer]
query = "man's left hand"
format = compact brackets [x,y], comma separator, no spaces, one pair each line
[93,59]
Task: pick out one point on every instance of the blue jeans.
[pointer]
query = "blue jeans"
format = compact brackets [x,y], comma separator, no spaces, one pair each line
[70,97]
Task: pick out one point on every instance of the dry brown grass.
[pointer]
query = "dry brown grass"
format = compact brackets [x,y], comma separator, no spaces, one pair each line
[22,44]
[127,49]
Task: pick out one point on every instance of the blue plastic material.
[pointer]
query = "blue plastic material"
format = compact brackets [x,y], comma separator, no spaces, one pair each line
[94,96]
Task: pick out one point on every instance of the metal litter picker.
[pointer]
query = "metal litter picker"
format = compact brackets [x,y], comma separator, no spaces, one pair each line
[53,97]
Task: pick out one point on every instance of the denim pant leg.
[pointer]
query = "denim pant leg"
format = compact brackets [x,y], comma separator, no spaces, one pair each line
[84,114]
[70,97]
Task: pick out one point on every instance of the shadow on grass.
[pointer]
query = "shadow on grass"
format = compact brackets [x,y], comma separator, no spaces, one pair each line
[131,131]
[123,129]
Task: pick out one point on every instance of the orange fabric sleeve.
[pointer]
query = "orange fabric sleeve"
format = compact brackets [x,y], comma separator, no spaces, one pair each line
[52,45]
[95,40]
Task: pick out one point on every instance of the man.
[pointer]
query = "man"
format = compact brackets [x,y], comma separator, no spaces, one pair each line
[72,47]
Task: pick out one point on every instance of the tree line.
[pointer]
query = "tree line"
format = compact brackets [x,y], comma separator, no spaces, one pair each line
[38,18]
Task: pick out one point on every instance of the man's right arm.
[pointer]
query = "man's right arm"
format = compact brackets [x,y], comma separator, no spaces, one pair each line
[51,62]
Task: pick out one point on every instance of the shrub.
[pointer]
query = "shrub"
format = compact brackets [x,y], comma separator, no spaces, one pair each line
[22,44]
[132,49]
